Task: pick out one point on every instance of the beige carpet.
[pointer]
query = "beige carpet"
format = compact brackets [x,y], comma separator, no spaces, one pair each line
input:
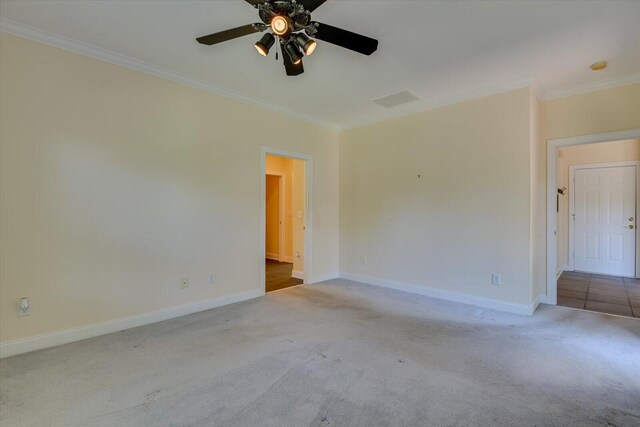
[340,354]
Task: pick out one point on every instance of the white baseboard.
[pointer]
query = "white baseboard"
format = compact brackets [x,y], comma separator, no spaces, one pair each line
[276,257]
[445,295]
[39,342]
[297,274]
[562,269]
[324,277]
[544,299]
[537,302]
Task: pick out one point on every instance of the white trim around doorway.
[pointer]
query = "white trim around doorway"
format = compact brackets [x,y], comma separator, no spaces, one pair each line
[551,296]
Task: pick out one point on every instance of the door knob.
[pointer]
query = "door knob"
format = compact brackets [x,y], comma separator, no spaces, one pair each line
[630,227]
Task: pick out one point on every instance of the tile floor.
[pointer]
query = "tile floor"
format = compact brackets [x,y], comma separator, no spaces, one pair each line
[604,294]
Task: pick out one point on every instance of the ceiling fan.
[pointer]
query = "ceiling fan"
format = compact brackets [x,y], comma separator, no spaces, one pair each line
[291,24]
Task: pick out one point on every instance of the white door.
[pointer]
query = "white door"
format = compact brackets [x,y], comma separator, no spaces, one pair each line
[605,220]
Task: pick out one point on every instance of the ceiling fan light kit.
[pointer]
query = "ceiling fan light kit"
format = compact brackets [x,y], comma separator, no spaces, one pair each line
[264,44]
[305,43]
[293,52]
[281,25]
[290,21]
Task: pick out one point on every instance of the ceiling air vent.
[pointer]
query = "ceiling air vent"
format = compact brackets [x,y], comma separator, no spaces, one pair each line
[403,97]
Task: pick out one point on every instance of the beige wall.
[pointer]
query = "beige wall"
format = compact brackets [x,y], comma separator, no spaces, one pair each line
[464,218]
[594,112]
[115,184]
[448,232]
[616,151]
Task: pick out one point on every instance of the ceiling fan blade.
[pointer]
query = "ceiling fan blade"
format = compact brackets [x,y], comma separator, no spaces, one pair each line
[292,69]
[343,38]
[311,5]
[231,34]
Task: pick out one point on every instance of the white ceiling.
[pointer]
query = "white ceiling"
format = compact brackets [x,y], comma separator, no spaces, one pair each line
[441,50]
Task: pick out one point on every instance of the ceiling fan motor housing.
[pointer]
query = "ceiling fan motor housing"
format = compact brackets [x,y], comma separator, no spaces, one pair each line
[297,15]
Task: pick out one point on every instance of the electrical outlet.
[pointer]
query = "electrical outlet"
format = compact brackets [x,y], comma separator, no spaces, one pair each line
[363,260]
[496,280]
[211,279]
[184,283]
[24,307]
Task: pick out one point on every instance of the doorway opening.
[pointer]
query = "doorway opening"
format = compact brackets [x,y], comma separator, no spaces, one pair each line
[286,215]
[593,249]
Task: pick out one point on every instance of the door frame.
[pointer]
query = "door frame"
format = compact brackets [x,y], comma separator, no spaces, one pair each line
[553,145]
[308,211]
[282,236]
[572,173]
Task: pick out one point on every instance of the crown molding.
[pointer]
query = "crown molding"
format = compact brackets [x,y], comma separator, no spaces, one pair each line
[537,89]
[44,37]
[592,87]
[75,46]
[533,83]
[426,105]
